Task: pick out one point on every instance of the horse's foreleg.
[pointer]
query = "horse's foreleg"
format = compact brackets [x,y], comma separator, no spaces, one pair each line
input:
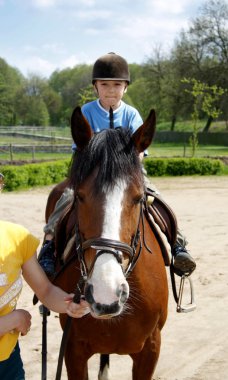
[144,362]
[76,363]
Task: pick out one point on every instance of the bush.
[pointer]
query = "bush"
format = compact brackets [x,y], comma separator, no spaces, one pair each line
[15,177]
[25,176]
[155,167]
[182,166]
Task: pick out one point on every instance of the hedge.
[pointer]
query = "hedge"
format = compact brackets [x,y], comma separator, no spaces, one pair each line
[182,166]
[31,175]
[41,174]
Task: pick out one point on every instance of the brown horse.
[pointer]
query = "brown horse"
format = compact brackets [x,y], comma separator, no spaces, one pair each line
[115,252]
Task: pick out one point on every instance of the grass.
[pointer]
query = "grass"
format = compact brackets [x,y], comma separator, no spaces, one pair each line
[38,156]
[155,150]
[187,126]
[181,150]
[56,135]
[6,140]
[180,126]
[225,170]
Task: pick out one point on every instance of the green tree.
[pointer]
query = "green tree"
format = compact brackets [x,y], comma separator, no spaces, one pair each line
[37,113]
[10,82]
[205,98]
[31,100]
[86,95]
[202,51]
[69,83]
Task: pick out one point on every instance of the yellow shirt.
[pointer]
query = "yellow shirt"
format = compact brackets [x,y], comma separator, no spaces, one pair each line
[17,245]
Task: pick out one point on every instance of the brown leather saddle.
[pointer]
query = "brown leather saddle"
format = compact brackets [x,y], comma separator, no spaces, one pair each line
[162,221]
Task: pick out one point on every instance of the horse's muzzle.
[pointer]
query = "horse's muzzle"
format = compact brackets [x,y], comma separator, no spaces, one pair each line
[105,311]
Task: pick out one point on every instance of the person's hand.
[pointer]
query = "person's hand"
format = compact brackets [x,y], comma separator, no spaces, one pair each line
[23,321]
[76,310]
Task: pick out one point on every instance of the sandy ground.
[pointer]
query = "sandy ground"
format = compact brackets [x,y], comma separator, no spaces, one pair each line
[194,345]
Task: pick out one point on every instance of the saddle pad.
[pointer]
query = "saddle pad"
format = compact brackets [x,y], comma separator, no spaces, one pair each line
[163,223]
[68,248]
[162,214]
[162,240]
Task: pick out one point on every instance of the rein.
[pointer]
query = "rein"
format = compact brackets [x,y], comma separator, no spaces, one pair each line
[76,299]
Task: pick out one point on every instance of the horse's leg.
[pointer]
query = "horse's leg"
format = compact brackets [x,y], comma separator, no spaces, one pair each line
[76,362]
[144,362]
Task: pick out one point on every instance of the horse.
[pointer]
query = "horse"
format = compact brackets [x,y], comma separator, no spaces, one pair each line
[115,253]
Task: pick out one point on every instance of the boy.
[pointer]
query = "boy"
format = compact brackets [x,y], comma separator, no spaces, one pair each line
[110,78]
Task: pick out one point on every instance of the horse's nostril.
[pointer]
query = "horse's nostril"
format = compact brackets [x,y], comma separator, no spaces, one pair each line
[89,294]
[106,310]
[123,292]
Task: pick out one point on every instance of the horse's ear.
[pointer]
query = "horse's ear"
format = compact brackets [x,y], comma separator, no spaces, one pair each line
[80,129]
[144,135]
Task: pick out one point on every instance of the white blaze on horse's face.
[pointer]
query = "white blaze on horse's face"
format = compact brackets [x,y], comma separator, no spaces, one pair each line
[109,287]
[112,211]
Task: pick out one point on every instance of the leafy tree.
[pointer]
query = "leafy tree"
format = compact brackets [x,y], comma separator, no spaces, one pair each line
[10,82]
[205,98]
[53,102]
[86,95]
[137,96]
[202,50]
[69,83]
[30,105]
[37,113]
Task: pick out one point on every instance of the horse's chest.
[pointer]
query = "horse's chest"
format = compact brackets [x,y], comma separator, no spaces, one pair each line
[112,336]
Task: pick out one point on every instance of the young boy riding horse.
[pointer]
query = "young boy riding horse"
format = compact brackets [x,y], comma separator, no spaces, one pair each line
[110,79]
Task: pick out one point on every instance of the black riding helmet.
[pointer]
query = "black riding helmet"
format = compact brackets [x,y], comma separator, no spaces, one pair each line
[110,66]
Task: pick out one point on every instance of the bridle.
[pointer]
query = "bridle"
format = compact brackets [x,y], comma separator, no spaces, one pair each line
[109,246]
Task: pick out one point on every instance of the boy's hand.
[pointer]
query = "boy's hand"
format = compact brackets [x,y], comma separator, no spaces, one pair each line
[76,310]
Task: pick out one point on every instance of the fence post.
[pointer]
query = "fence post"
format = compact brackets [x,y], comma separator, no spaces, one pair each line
[11,152]
[33,152]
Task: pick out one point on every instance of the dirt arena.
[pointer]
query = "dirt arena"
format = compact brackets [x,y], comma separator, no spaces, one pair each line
[194,345]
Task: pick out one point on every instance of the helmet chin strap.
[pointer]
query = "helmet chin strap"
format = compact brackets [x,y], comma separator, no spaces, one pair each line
[111,120]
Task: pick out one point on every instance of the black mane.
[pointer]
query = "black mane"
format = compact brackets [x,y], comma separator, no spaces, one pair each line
[112,152]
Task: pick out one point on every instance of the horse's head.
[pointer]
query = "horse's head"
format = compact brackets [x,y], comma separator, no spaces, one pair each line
[107,177]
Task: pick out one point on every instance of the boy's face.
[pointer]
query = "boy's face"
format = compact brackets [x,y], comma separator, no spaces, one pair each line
[110,92]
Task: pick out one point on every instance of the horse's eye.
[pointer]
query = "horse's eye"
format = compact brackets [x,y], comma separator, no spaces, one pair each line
[138,199]
[80,196]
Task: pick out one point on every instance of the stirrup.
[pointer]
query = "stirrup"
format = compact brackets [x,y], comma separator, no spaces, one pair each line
[192,305]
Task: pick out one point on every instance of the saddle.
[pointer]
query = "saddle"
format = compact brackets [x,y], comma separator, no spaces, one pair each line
[162,221]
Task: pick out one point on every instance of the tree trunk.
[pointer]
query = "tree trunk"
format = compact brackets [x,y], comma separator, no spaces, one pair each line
[208,124]
[173,122]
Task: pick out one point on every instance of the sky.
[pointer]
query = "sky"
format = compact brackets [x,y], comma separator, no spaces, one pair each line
[41,36]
